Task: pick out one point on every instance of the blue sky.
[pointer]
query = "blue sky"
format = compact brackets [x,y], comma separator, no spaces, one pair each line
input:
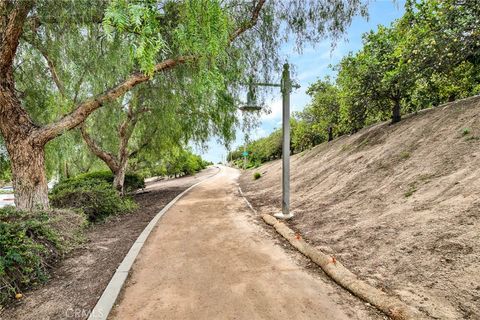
[312,64]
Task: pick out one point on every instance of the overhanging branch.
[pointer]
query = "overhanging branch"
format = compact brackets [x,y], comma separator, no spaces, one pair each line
[84,109]
[250,23]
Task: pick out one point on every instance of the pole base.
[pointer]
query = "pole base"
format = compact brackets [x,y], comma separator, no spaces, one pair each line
[282,216]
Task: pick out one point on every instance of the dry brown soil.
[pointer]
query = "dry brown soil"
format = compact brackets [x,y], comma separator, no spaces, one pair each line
[209,259]
[79,280]
[397,204]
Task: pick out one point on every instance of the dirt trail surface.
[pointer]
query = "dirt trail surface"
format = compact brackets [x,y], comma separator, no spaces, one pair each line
[79,280]
[399,205]
[208,259]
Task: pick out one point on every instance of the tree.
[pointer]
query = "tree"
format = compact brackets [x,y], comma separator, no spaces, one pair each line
[156,118]
[118,163]
[325,108]
[441,45]
[25,140]
[377,75]
[429,56]
[160,35]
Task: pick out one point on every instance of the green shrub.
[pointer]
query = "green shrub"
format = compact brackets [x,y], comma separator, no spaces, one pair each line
[96,197]
[30,243]
[257,175]
[412,188]
[465,131]
[132,181]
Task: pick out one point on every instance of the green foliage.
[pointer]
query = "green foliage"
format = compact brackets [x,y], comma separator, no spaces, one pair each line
[465,131]
[30,243]
[178,162]
[5,170]
[428,57]
[95,197]
[404,155]
[140,20]
[259,151]
[195,27]
[132,181]
[412,188]
[257,175]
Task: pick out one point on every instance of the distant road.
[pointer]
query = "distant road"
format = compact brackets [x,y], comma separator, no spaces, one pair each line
[7,198]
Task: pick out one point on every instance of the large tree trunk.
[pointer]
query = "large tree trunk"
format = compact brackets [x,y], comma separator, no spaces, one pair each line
[27,155]
[29,179]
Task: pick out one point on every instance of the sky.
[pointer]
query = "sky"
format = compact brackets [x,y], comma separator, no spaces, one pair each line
[310,65]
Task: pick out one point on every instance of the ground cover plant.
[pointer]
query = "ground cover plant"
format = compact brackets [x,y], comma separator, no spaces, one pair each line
[30,243]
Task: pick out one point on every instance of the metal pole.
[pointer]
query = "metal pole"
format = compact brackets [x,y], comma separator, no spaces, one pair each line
[286,90]
[244,155]
[244,141]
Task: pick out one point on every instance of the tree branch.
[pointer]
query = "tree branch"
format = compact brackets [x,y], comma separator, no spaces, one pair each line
[11,29]
[78,85]
[107,157]
[51,66]
[144,144]
[84,109]
[250,23]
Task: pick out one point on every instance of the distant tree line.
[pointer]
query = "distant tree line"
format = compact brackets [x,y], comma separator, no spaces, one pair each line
[429,56]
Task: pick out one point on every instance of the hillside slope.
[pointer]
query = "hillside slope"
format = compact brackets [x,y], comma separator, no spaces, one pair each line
[397,204]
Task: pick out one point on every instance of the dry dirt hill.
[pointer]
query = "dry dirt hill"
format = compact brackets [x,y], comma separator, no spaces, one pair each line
[397,204]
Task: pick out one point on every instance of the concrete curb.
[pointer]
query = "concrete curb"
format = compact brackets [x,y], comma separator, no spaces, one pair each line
[107,300]
[388,304]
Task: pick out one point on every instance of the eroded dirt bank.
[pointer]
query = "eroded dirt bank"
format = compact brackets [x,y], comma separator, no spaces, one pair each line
[399,205]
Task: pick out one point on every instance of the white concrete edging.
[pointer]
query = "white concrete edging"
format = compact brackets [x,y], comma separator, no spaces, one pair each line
[107,300]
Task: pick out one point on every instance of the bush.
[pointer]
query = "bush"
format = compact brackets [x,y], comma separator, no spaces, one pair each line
[96,197]
[132,181]
[257,175]
[30,243]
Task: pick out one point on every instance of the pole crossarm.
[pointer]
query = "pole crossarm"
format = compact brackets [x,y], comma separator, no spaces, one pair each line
[279,85]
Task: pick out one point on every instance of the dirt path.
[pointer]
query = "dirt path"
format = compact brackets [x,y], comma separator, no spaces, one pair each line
[207,259]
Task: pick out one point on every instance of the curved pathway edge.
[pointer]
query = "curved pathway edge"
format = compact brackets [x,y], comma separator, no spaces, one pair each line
[107,300]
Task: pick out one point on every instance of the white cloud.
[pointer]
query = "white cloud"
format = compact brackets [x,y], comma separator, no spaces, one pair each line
[259,133]
[275,108]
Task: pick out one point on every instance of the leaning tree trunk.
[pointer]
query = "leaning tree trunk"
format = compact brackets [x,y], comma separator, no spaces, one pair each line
[119,176]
